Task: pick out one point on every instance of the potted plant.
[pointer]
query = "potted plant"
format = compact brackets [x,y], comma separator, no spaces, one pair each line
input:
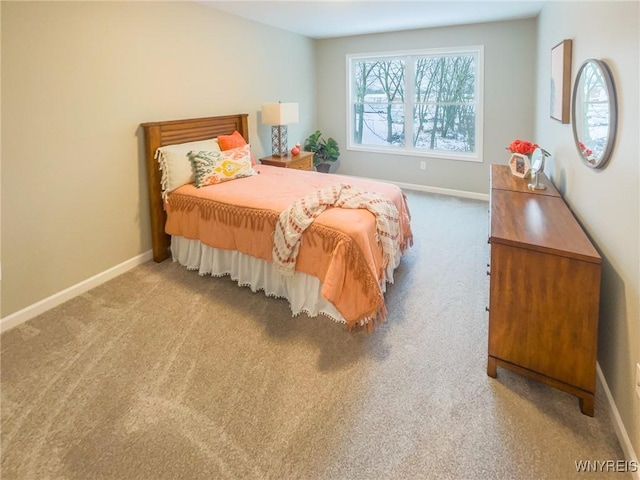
[325,152]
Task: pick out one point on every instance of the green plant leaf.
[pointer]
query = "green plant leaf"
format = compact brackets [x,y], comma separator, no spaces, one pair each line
[325,151]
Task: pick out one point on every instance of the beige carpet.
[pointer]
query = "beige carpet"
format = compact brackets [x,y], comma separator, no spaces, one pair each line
[161,373]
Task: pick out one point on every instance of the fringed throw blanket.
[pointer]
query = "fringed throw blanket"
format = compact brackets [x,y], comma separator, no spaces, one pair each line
[293,221]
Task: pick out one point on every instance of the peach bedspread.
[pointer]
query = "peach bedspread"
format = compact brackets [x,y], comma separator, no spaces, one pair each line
[339,248]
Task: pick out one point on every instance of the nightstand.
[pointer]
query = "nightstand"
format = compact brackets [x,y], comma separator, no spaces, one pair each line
[303,161]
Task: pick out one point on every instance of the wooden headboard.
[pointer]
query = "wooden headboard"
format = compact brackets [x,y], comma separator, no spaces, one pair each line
[159,134]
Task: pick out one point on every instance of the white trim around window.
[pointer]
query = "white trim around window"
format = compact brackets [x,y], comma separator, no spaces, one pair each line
[390,101]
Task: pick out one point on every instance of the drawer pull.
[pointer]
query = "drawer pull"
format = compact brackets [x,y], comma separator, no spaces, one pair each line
[486,308]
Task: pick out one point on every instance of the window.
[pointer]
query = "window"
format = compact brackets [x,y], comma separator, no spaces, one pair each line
[426,103]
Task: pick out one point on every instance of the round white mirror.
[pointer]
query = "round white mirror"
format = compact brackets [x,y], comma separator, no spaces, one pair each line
[595,113]
[537,160]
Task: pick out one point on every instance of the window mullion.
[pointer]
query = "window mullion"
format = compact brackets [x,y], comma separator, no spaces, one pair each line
[409,74]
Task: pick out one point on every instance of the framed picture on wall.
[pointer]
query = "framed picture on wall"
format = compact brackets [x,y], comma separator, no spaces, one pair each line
[560,93]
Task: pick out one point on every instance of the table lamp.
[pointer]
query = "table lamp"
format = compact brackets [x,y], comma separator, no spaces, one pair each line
[279,115]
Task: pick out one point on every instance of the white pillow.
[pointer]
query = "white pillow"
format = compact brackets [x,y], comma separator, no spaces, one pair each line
[175,164]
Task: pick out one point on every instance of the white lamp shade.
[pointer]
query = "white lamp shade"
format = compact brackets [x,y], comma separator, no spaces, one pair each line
[279,113]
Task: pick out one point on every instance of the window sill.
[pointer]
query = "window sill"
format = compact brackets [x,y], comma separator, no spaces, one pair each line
[417,153]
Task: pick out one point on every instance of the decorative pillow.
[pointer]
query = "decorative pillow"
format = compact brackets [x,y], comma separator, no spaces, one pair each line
[235,140]
[175,165]
[215,166]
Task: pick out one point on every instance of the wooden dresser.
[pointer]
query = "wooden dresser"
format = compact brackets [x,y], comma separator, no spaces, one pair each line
[544,288]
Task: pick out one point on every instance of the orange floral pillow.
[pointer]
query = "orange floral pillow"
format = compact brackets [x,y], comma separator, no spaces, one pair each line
[235,140]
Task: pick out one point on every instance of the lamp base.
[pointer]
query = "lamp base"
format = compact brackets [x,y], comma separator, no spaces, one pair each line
[279,141]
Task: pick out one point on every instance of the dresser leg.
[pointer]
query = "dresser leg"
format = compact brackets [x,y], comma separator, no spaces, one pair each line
[492,367]
[587,404]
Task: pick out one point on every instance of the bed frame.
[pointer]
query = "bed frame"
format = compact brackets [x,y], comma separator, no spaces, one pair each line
[159,134]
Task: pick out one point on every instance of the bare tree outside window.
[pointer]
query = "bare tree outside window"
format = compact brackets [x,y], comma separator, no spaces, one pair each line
[421,102]
[444,113]
[379,105]
[595,111]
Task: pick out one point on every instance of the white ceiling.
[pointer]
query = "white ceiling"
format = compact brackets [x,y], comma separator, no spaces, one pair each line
[337,18]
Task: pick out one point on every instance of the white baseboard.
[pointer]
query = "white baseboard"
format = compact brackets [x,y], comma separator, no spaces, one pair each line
[425,188]
[621,431]
[56,299]
[443,191]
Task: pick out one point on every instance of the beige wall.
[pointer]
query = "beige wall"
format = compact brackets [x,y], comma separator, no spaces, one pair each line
[0,182]
[509,53]
[78,79]
[606,201]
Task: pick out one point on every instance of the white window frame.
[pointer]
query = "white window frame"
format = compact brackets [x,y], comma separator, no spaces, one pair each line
[409,149]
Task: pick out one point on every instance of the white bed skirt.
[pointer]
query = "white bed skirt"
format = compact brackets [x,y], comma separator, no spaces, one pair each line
[301,290]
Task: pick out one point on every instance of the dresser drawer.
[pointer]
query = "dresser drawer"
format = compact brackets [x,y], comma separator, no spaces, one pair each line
[303,163]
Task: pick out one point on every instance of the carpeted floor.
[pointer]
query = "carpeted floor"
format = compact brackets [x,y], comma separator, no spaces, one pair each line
[161,373]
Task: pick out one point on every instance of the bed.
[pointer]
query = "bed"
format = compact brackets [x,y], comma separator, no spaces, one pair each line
[343,259]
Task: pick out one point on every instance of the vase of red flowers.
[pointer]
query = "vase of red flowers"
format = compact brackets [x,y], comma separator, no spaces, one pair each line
[520,161]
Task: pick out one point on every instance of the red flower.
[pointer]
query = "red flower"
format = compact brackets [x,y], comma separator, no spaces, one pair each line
[522,146]
[586,151]
[525,148]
